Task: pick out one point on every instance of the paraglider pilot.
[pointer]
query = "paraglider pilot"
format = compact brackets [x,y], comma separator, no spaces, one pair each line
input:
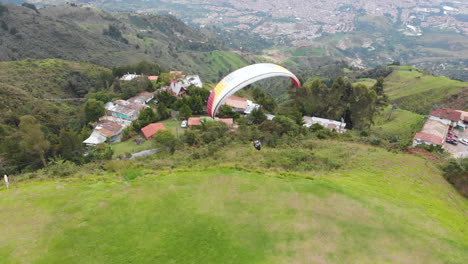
[257,144]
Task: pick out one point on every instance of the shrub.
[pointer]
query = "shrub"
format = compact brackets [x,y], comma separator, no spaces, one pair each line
[165,141]
[132,173]
[60,168]
[456,172]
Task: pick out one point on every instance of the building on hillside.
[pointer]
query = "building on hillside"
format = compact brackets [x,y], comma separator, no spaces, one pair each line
[464,118]
[326,123]
[241,105]
[105,130]
[228,121]
[150,130]
[95,138]
[453,118]
[142,98]
[122,111]
[194,121]
[129,109]
[269,116]
[177,88]
[153,78]
[177,74]
[129,77]
[197,121]
[433,132]
[192,80]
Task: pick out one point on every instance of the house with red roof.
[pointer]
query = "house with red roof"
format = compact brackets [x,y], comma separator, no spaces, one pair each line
[450,117]
[152,129]
[228,121]
[194,121]
[240,104]
[433,132]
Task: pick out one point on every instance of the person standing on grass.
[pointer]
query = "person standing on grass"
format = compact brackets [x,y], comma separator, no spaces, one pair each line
[5,177]
[257,144]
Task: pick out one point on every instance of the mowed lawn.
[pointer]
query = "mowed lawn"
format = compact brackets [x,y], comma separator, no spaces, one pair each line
[383,208]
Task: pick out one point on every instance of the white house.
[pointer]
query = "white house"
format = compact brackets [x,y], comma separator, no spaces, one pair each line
[327,123]
[129,77]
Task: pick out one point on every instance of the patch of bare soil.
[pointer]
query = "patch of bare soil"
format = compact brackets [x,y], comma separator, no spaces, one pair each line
[422,152]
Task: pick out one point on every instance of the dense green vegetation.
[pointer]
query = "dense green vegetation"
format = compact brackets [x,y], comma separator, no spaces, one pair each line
[113,39]
[326,200]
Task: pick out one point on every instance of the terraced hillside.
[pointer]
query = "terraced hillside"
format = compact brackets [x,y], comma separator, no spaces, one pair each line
[328,202]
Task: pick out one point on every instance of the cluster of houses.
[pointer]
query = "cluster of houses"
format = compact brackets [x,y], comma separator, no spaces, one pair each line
[442,126]
[121,113]
[177,87]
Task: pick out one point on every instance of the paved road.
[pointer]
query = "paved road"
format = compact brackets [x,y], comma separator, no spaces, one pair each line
[143,153]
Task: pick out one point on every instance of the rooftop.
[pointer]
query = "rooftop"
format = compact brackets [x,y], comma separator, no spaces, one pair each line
[108,128]
[449,114]
[433,131]
[152,129]
[237,102]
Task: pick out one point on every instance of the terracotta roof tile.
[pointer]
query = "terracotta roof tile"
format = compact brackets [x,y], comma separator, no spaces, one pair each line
[151,129]
[449,114]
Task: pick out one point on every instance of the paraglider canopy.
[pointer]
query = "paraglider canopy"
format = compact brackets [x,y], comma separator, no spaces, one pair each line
[242,77]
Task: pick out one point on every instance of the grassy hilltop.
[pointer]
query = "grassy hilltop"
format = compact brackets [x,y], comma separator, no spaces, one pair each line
[418,91]
[320,201]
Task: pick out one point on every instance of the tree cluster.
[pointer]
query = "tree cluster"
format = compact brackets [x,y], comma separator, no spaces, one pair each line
[143,67]
[357,104]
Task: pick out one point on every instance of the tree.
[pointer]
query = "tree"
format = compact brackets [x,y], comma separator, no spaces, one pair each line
[94,109]
[264,99]
[69,143]
[135,86]
[165,78]
[166,97]
[33,140]
[185,111]
[257,116]
[165,141]
[101,96]
[226,112]
[196,104]
[163,111]
[202,92]
[146,117]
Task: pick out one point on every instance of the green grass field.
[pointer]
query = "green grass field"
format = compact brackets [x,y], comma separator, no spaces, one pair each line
[366,81]
[241,206]
[416,91]
[399,124]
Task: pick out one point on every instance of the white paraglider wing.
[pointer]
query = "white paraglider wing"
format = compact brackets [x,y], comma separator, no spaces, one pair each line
[242,77]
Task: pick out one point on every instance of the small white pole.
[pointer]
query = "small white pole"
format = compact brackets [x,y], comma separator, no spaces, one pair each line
[6,181]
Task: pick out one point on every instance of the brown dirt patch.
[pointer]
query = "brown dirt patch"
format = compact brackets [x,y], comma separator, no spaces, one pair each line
[422,152]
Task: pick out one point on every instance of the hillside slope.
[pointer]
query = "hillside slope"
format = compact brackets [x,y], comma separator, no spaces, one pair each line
[109,39]
[25,84]
[418,91]
[372,207]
